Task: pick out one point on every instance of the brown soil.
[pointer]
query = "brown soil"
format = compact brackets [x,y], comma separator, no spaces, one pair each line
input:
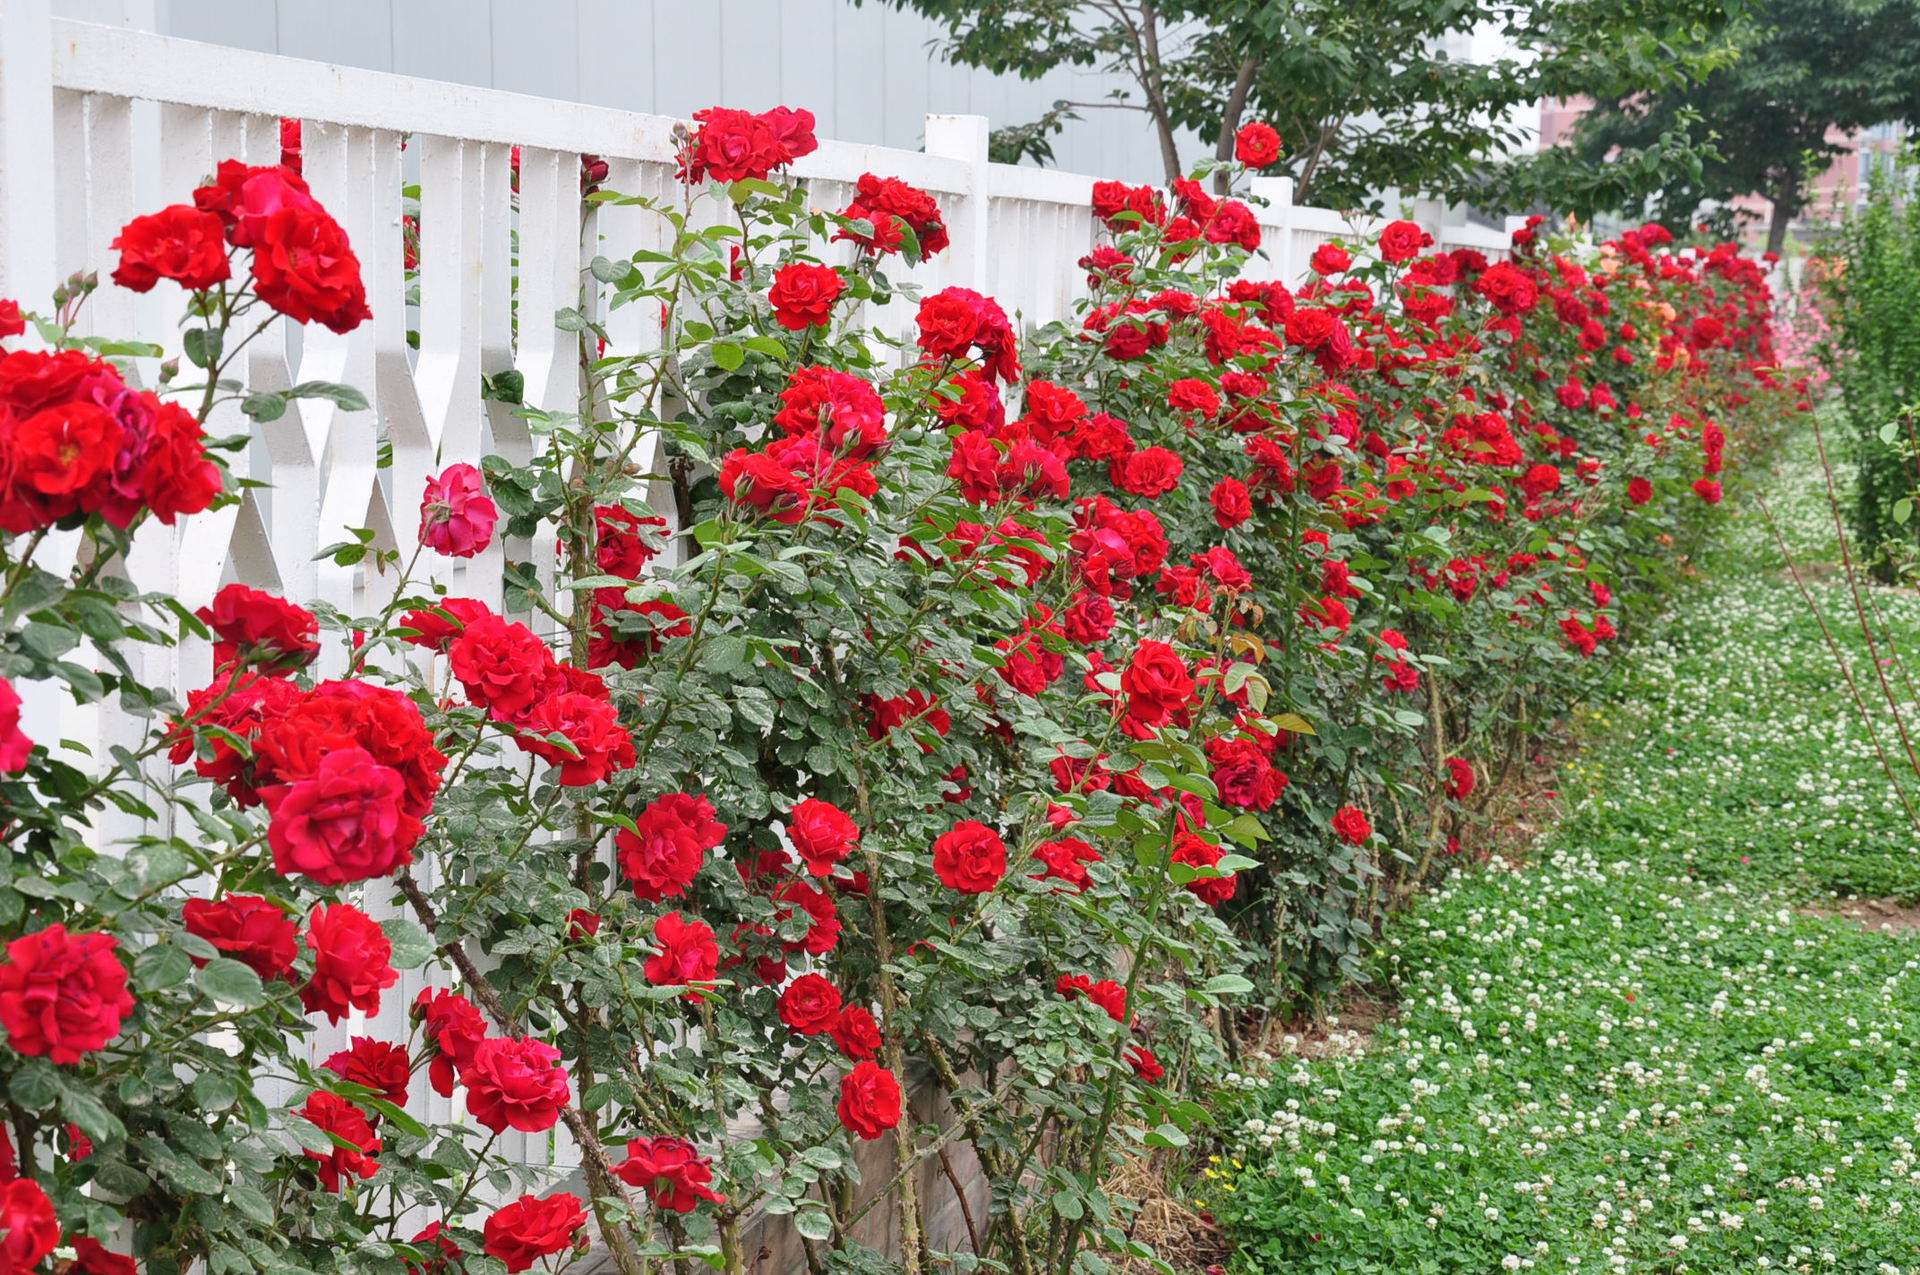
[1185,1238]
[1884,915]
[1528,802]
[1346,1032]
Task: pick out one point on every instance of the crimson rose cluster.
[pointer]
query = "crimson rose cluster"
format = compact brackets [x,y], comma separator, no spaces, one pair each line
[1026,719]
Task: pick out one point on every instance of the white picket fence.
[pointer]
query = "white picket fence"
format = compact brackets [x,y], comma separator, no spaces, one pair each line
[98,124]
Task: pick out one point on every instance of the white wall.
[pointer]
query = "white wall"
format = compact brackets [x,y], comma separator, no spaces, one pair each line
[867,73]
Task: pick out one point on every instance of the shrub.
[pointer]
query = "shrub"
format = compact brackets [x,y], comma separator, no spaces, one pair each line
[1030,709]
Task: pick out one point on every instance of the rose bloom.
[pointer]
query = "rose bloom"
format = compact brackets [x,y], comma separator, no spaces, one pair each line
[1144,1064]
[457,516]
[970,857]
[1105,993]
[351,967]
[247,928]
[869,1101]
[345,1121]
[454,1029]
[1256,145]
[501,664]
[1351,825]
[533,1227]
[1460,778]
[822,834]
[15,747]
[1196,851]
[375,1064]
[252,624]
[1232,505]
[1065,860]
[180,243]
[674,1175]
[1157,685]
[803,295]
[810,1004]
[515,1084]
[1151,472]
[856,1033]
[1330,258]
[347,822]
[666,852]
[62,996]
[91,1257]
[687,954]
[28,1227]
[731,145]
[12,323]
[624,546]
[1402,241]
[304,268]
[1639,490]
[590,723]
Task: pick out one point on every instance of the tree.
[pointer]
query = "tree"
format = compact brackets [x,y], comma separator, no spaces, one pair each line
[1805,70]
[1364,91]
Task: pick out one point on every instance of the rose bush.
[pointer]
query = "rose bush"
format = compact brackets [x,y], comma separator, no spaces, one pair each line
[1027,716]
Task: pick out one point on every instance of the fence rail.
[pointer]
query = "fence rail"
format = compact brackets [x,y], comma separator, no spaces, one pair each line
[99,123]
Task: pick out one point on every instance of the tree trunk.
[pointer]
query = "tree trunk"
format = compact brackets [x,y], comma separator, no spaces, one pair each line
[1230,120]
[1786,202]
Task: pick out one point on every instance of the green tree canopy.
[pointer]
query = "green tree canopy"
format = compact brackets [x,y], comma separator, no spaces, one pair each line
[1363,91]
[1805,69]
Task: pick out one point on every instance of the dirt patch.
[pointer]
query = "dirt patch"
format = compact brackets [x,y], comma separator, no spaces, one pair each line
[1887,916]
[1814,572]
[1341,1034]
[1184,1237]
[1525,802]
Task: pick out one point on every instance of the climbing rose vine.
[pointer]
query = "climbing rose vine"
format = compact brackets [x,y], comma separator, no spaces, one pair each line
[1015,721]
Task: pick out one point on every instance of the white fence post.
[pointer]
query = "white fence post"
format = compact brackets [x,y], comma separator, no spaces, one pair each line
[964,137]
[1277,217]
[26,153]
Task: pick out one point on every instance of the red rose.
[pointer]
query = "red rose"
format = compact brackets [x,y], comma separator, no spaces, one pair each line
[666,852]
[1509,289]
[457,516]
[304,268]
[436,626]
[351,714]
[256,626]
[1321,333]
[346,1122]
[175,477]
[442,1254]
[803,295]
[1707,489]
[839,408]
[244,197]
[855,1033]
[970,858]
[810,1004]
[515,1083]
[28,1228]
[1196,851]
[180,243]
[869,1101]
[891,207]
[824,931]
[1157,685]
[1460,778]
[55,462]
[1107,994]
[1150,472]
[12,323]
[1066,860]
[347,822]
[674,1175]
[350,962]
[247,928]
[822,834]
[590,723]
[1256,145]
[731,145]
[687,954]
[1402,241]
[1231,503]
[15,747]
[33,379]
[1242,773]
[453,1028]
[626,540]
[240,703]
[1351,825]
[62,996]
[1330,258]
[533,1227]
[1144,1064]
[1639,490]
[502,665]
[374,1064]
[91,1257]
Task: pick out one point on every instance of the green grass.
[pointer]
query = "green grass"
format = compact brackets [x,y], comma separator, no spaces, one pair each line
[1637,1053]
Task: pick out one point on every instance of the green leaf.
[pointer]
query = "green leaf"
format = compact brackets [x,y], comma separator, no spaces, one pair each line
[411,944]
[1226,985]
[813,1223]
[728,355]
[232,983]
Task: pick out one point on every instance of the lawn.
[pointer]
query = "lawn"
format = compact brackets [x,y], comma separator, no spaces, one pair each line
[1642,1050]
